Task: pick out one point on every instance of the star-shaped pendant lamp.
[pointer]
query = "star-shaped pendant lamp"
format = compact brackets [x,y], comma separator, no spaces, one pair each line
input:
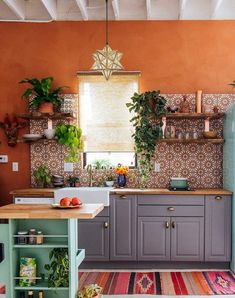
[107,60]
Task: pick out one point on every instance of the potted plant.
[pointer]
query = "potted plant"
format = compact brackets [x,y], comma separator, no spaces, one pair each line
[42,176]
[71,136]
[41,96]
[149,108]
[73,181]
[90,291]
[58,268]
[109,181]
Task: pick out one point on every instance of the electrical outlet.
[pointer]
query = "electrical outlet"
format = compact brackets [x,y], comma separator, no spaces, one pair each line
[3,158]
[157,167]
[15,166]
[68,167]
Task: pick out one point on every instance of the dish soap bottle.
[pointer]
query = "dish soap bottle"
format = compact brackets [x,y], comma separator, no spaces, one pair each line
[40,294]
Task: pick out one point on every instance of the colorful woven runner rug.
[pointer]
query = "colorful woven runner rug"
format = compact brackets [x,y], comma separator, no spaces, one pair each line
[162,283]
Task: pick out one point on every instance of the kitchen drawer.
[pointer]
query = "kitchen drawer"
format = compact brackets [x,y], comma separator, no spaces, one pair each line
[171,210]
[171,200]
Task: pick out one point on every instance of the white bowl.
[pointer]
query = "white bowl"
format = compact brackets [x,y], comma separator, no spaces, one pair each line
[49,133]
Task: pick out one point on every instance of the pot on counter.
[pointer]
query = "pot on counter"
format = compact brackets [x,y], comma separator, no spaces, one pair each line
[178,183]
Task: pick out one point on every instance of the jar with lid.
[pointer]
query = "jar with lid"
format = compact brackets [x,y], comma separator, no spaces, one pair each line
[22,237]
[40,294]
[39,238]
[32,236]
[30,294]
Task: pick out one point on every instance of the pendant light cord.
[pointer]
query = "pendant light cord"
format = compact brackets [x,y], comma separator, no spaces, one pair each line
[107,26]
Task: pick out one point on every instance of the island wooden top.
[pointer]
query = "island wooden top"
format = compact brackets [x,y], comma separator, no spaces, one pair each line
[28,211]
[165,191]
[34,192]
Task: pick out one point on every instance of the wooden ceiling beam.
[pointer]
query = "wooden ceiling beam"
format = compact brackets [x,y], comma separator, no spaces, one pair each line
[116,9]
[83,8]
[182,4]
[50,6]
[17,6]
[148,8]
[216,4]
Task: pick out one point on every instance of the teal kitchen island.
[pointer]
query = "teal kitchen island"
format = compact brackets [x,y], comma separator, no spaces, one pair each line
[59,227]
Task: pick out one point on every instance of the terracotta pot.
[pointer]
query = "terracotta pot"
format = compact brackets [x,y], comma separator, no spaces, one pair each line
[46,107]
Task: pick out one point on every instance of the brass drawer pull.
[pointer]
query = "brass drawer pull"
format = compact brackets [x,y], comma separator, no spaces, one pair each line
[123,197]
[171,209]
[167,225]
[106,224]
[218,198]
[173,224]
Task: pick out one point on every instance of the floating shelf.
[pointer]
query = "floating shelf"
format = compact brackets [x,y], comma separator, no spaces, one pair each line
[45,245]
[43,140]
[56,116]
[189,141]
[41,285]
[194,115]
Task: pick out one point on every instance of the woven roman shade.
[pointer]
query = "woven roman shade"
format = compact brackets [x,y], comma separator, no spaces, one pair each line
[104,117]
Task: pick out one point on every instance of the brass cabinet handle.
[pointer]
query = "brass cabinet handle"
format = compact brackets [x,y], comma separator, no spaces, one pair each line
[218,198]
[171,209]
[106,224]
[123,197]
[173,224]
[167,225]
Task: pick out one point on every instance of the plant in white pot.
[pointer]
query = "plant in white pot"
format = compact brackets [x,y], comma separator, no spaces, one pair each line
[90,291]
[41,96]
[109,181]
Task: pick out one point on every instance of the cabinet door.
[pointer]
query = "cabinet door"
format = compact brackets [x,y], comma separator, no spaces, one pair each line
[218,228]
[123,228]
[93,235]
[187,235]
[154,238]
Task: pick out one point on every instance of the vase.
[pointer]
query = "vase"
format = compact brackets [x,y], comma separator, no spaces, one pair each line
[121,180]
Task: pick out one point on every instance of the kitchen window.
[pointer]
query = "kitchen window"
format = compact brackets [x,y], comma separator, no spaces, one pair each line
[105,119]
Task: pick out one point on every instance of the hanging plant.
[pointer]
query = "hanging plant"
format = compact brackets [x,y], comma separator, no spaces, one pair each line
[70,135]
[149,108]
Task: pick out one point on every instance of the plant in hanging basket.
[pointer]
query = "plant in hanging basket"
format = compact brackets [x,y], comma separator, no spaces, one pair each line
[149,108]
[41,96]
[71,136]
[90,291]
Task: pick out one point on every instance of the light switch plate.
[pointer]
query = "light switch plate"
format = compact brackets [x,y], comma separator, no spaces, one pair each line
[3,158]
[157,167]
[68,167]
[15,166]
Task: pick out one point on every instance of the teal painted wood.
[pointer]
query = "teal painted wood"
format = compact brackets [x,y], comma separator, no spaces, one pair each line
[5,265]
[73,248]
[229,167]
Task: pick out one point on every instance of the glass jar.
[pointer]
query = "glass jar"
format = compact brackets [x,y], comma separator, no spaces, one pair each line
[22,237]
[30,294]
[39,238]
[32,236]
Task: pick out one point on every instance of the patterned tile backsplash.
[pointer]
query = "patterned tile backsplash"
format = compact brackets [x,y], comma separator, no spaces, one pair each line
[201,163]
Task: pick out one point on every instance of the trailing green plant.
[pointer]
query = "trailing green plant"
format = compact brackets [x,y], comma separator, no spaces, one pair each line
[90,291]
[71,136]
[57,271]
[42,176]
[41,92]
[148,108]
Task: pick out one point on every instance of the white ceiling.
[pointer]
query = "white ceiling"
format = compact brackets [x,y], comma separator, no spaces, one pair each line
[79,10]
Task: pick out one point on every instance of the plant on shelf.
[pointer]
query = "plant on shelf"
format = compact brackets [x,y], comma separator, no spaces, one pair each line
[149,108]
[58,269]
[42,176]
[41,96]
[101,164]
[90,291]
[71,136]
[72,180]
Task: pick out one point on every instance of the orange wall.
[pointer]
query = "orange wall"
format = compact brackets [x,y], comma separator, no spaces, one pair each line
[174,56]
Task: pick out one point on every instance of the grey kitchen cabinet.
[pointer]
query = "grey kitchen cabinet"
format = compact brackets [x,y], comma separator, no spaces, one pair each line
[187,238]
[218,228]
[154,238]
[123,216]
[93,235]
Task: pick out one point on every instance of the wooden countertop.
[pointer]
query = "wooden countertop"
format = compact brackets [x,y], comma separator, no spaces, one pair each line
[165,191]
[12,211]
[34,192]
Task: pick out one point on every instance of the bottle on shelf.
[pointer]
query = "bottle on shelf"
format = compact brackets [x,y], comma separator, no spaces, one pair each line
[40,294]
[32,236]
[30,294]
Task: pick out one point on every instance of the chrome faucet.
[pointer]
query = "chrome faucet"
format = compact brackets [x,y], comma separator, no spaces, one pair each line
[90,172]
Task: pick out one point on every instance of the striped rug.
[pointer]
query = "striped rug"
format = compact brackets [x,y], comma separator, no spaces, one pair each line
[161,283]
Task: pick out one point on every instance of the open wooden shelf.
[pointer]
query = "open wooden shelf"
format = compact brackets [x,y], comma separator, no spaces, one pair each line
[42,140]
[190,141]
[56,116]
[194,115]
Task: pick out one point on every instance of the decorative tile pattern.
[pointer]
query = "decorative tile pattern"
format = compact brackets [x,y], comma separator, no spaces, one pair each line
[201,163]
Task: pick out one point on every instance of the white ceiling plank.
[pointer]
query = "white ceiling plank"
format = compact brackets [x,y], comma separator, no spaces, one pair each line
[116,9]
[215,7]
[17,6]
[182,4]
[148,7]
[50,6]
[82,6]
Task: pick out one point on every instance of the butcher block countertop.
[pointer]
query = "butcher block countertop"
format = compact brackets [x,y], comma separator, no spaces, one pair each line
[12,211]
[49,192]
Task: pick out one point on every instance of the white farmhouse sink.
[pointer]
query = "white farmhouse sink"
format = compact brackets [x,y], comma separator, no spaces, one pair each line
[88,195]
